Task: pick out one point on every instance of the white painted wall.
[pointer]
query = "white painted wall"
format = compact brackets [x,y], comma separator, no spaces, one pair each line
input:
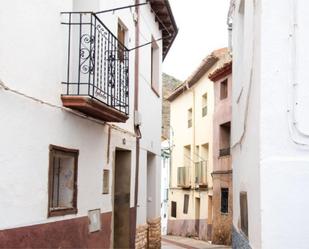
[245,134]
[165,177]
[272,161]
[33,48]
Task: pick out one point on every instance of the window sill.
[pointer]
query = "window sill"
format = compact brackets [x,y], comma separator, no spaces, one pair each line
[61,211]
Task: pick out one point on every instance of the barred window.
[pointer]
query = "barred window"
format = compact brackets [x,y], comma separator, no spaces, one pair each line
[224,200]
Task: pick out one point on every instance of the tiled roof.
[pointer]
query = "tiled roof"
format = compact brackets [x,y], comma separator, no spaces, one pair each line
[167,24]
[202,69]
[221,72]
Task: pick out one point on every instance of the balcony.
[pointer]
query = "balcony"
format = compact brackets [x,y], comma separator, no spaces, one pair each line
[224,152]
[201,174]
[97,73]
[183,177]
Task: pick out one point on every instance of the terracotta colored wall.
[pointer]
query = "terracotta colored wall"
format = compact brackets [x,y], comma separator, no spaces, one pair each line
[71,233]
[222,223]
[222,114]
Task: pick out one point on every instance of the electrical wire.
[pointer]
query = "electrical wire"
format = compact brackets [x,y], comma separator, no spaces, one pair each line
[6,88]
[156,16]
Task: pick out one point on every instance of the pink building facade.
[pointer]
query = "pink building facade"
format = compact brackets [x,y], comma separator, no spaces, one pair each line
[222,167]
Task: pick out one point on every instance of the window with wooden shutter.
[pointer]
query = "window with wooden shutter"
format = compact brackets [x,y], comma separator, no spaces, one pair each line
[223,90]
[173,209]
[204,105]
[244,212]
[186,204]
[190,118]
[224,200]
[105,181]
[121,41]
[62,183]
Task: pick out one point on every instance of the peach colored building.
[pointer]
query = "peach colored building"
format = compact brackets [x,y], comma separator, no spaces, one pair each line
[191,187]
[222,168]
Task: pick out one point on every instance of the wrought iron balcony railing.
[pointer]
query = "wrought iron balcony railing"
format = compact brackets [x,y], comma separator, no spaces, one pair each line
[224,152]
[201,173]
[97,68]
[183,177]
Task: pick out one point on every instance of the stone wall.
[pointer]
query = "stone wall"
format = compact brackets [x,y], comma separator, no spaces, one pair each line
[222,222]
[169,83]
[154,233]
[149,235]
[141,239]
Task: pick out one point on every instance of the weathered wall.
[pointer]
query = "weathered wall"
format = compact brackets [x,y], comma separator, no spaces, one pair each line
[141,239]
[271,121]
[222,222]
[222,166]
[245,132]
[169,83]
[35,66]
[200,134]
[71,233]
[186,224]
[284,123]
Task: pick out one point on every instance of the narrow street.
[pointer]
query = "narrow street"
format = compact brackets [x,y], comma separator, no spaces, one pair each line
[175,242]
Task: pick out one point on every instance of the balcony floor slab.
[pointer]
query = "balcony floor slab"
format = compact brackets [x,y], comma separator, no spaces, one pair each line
[94,108]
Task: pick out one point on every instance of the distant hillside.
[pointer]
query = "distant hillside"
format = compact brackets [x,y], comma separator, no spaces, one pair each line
[169,84]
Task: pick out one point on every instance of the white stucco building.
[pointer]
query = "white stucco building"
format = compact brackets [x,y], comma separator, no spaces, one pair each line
[165,180]
[80,130]
[270,123]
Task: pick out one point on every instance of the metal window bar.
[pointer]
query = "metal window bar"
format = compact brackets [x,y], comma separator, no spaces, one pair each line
[224,152]
[97,64]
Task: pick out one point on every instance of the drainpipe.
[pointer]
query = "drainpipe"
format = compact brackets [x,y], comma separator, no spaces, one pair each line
[136,127]
[194,139]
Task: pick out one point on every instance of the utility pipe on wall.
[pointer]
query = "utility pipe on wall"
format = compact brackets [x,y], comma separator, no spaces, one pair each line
[136,127]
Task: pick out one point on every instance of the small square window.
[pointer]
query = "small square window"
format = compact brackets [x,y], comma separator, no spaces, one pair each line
[224,200]
[62,181]
[223,89]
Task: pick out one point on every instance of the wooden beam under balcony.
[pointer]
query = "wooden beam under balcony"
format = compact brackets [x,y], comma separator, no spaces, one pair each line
[93,108]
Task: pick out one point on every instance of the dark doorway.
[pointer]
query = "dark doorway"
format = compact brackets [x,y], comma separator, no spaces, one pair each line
[122,175]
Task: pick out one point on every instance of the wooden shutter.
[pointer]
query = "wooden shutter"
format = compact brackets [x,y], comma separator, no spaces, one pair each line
[244,213]
[105,181]
[174,209]
[121,40]
[185,204]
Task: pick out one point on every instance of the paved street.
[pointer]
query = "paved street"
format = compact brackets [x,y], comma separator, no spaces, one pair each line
[175,242]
